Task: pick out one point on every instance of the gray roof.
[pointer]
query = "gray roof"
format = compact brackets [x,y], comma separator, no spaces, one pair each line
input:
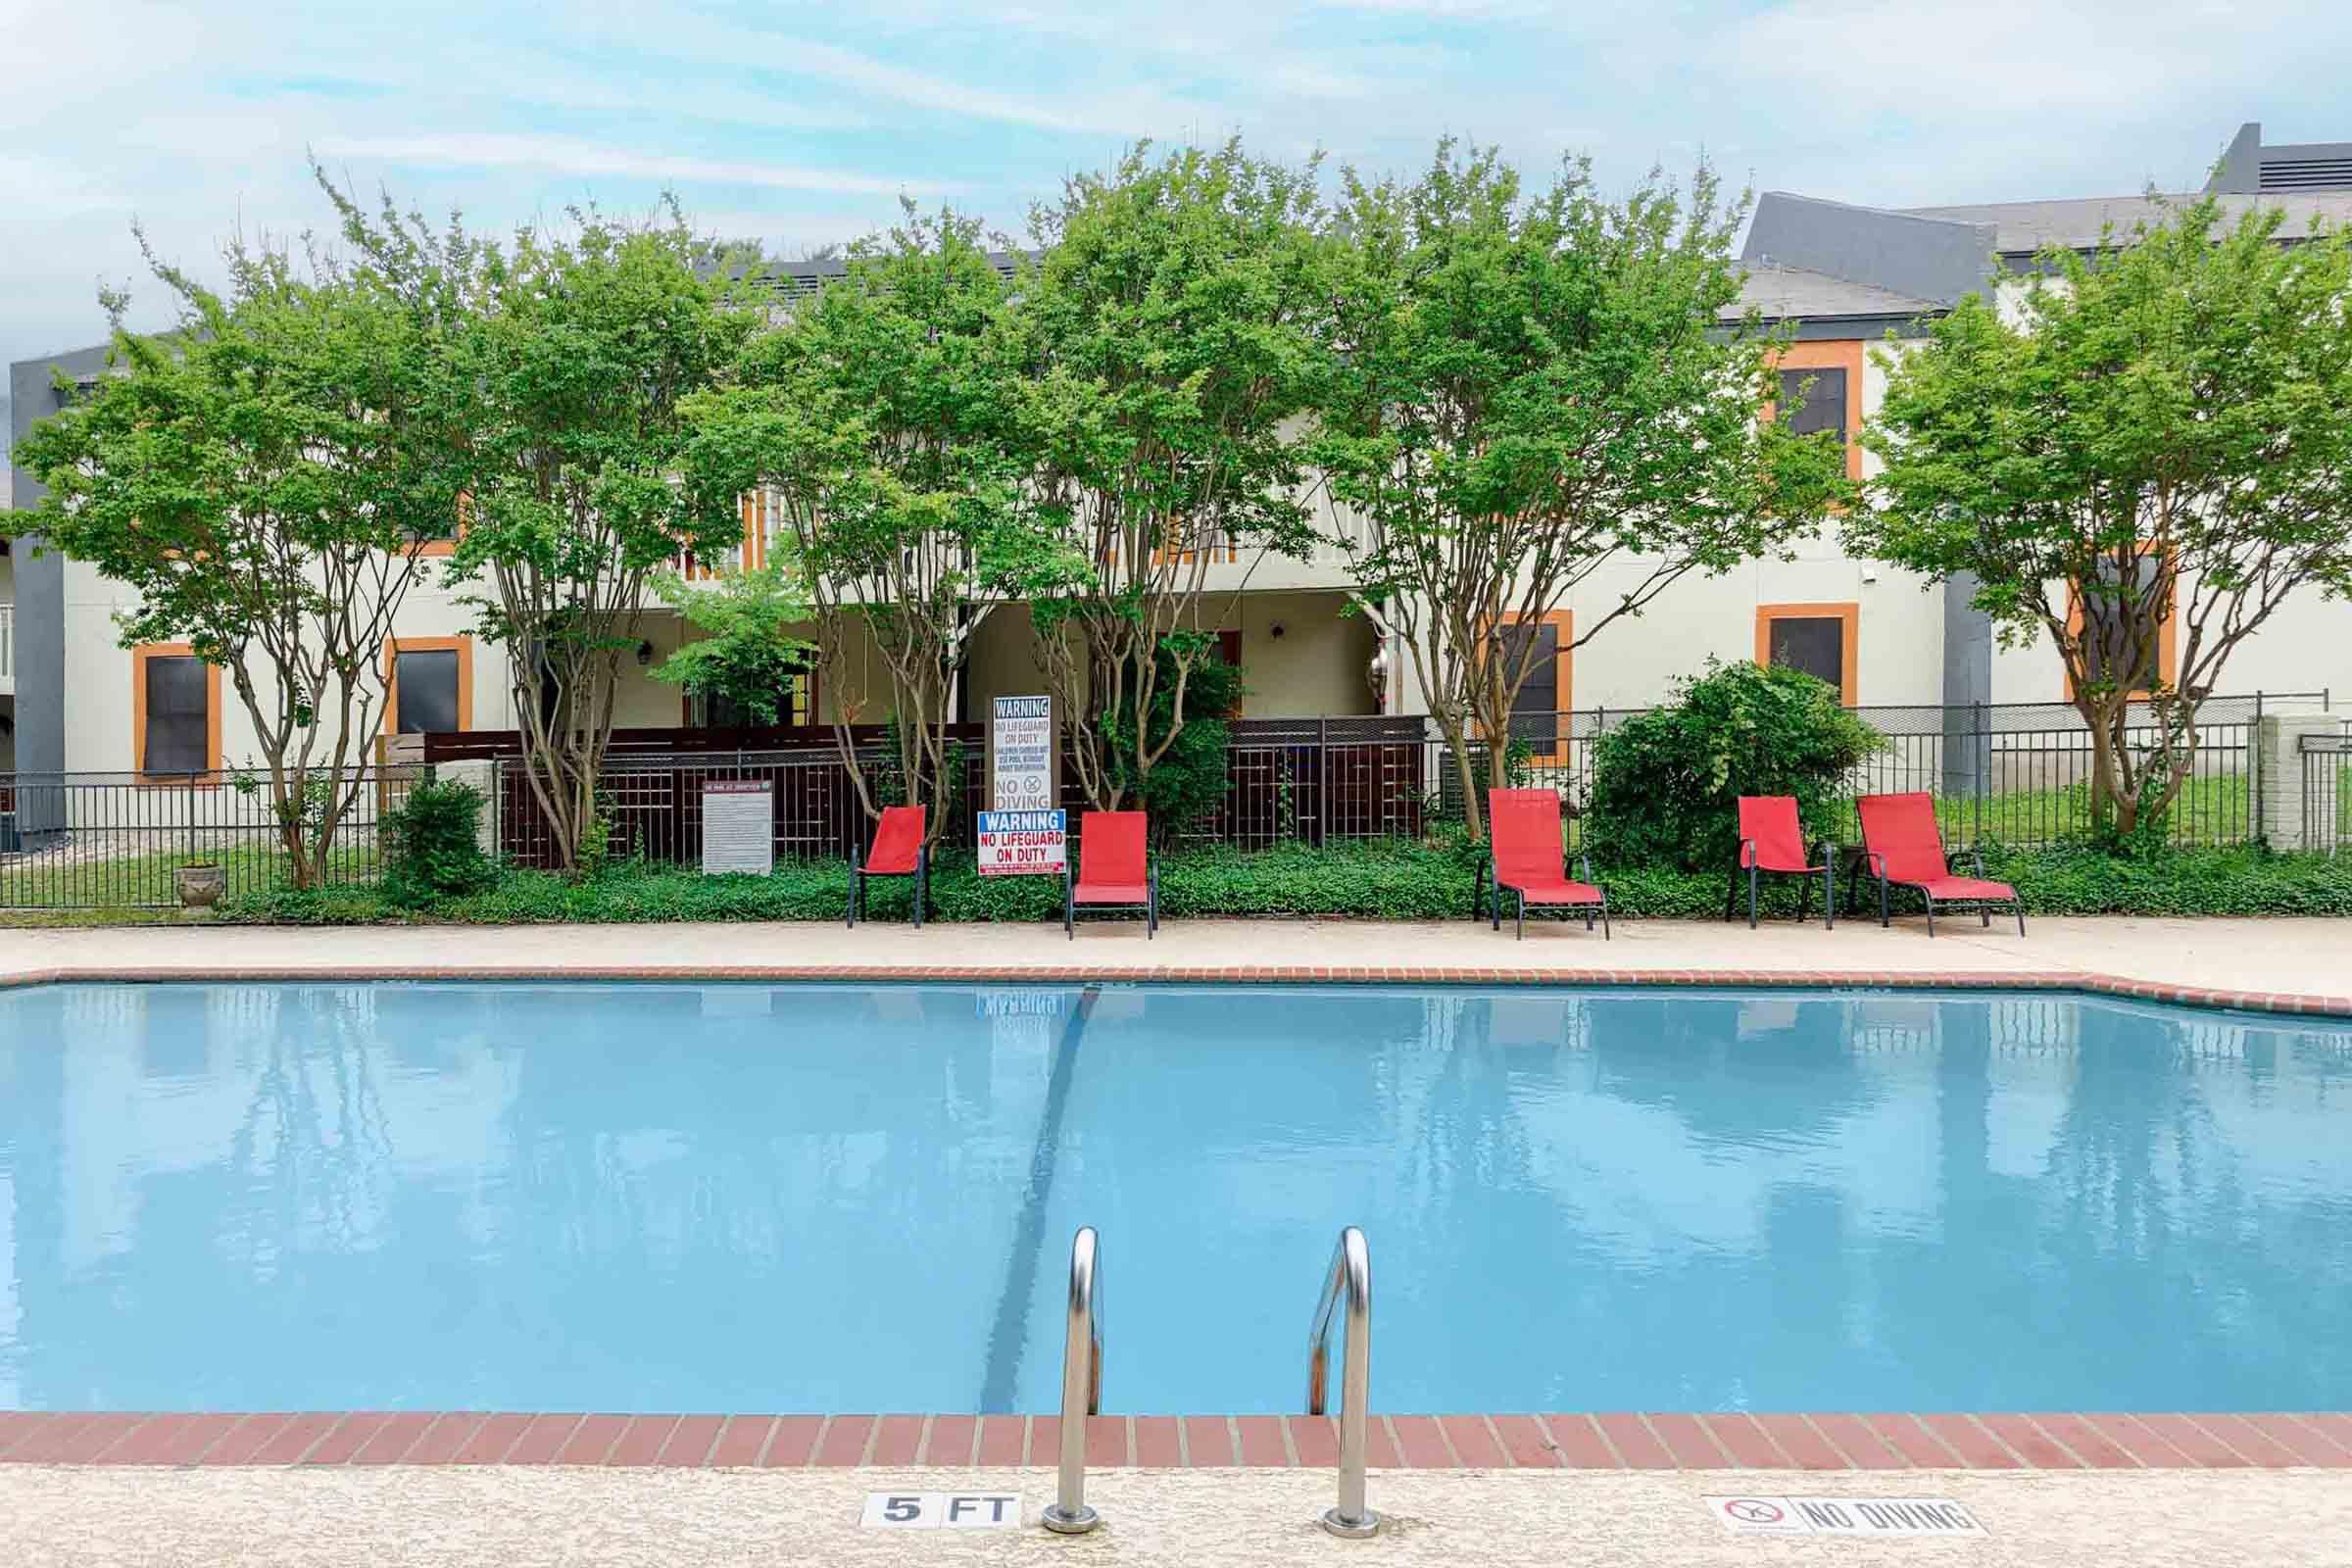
[1782,292]
[2023,227]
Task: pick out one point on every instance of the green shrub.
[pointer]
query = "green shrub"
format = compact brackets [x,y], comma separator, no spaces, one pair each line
[432,846]
[1423,881]
[1666,784]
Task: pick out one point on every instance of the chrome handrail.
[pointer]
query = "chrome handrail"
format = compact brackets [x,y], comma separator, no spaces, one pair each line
[1350,1271]
[1081,1386]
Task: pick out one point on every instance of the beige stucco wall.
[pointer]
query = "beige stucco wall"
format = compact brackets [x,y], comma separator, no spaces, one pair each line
[2305,647]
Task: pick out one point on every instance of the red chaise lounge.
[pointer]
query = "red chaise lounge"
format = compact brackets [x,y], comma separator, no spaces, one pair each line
[898,850]
[1773,838]
[1903,847]
[1115,870]
[1531,859]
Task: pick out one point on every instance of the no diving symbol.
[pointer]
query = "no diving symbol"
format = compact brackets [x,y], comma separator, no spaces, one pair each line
[1753,1511]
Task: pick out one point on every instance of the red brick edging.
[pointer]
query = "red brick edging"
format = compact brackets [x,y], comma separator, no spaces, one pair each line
[1656,1441]
[2076,980]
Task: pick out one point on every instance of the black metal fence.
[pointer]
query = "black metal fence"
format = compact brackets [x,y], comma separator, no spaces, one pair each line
[87,841]
[2014,773]
[2328,792]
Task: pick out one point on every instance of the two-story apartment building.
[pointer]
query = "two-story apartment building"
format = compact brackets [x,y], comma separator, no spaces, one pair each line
[1858,283]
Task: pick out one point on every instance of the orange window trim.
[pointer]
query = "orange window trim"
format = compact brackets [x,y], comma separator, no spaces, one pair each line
[1847,610]
[463,647]
[1563,670]
[2167,635]
[211,777]
[1837,354]
[429,548]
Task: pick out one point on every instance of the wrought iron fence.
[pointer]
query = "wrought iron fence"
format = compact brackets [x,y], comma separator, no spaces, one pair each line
[2328,792]
[88,840]
[2015,773]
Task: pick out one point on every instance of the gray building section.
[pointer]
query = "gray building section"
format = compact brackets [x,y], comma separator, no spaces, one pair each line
[40,615]
[2248,168]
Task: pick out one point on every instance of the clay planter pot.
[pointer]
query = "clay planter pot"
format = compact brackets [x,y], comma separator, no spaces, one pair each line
[200,884]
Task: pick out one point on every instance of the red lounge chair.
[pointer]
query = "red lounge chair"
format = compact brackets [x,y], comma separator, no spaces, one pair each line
[1530,859]
[898,850]
[1772,839]
[1903,847]
[1115,868]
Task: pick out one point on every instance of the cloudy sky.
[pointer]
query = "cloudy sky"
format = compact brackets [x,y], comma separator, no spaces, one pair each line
[802,123]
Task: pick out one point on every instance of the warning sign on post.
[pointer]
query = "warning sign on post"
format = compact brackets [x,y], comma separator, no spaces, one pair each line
[1023,842]
[1020,754]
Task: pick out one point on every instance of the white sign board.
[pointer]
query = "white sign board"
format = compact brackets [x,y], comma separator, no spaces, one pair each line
[1844,1516]
[739,826]
[1020,754]
[1024,843]
[941,1510]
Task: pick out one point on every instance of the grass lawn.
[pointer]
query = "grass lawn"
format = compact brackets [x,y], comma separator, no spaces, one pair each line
[69,881]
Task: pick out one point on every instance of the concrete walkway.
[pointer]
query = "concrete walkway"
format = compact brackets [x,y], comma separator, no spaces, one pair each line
[523,1518]
[2302,958]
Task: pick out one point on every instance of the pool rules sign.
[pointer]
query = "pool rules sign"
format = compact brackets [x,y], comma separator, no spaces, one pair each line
[1024,834]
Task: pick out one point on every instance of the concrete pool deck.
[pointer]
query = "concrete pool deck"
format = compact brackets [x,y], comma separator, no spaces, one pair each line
[523,1518]
[2290,964]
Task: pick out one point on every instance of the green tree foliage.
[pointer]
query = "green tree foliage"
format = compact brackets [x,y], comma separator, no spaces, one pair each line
[1537,391]
[874,419]
[2159,433]
[432,848]
[749,653]
[257,477]
[1193,771]
[1168,339]
[577,352]
[1666,783]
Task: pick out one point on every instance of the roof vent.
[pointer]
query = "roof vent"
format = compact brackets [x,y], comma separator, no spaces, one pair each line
[2307,172]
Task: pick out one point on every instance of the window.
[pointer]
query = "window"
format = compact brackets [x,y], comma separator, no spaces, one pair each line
[175,713]
[1540,712]
[2105,623]
[1817,399]
[1821,386]
[1817,639]
[430,681]
[1229,650]
[796,706]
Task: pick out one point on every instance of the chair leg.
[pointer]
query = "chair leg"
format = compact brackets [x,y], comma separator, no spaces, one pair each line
[1752,897]
[1604,918]
[1495,906]
[1069,915]
[1829,891]
[1931,899]
[852,899]
[1882,920]
[1587,918]
[1804,898]
[1522,918]
[2021,918]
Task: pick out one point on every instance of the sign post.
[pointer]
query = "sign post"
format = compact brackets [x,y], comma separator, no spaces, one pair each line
[1024,833]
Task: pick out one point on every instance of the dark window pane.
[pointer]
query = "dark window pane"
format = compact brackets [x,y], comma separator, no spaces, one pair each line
[179,720]
[1821,396]
[427,684]
[1539,698]
[2109,627]
[1813,644]
[721,712]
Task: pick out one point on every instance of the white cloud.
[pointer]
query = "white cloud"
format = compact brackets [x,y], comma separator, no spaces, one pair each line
[571,155]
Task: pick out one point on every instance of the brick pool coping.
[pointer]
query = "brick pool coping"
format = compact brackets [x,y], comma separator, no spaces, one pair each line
[2086,981]
[1652,1440]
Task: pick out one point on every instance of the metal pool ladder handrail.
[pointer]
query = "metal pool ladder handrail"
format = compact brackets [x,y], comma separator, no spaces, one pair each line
[1081,1388]
[1351,1272]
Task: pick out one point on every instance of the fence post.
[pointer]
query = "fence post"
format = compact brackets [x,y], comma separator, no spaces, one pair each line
[1322,779]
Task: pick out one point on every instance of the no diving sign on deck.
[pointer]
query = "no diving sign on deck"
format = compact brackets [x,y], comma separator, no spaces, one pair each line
[1876,1517]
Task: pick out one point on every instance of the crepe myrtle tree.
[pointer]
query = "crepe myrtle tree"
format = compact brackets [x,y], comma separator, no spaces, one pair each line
[1531,391]
[260,477]
[576,351]
[2154,448]
[874,421]
[1167,332]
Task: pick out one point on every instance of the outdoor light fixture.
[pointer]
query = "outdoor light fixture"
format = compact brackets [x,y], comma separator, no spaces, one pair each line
[645,653]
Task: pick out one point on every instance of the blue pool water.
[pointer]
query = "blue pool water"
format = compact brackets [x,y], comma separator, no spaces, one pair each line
[749,1198]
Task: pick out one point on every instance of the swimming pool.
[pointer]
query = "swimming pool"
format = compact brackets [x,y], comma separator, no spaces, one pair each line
[657,1197]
